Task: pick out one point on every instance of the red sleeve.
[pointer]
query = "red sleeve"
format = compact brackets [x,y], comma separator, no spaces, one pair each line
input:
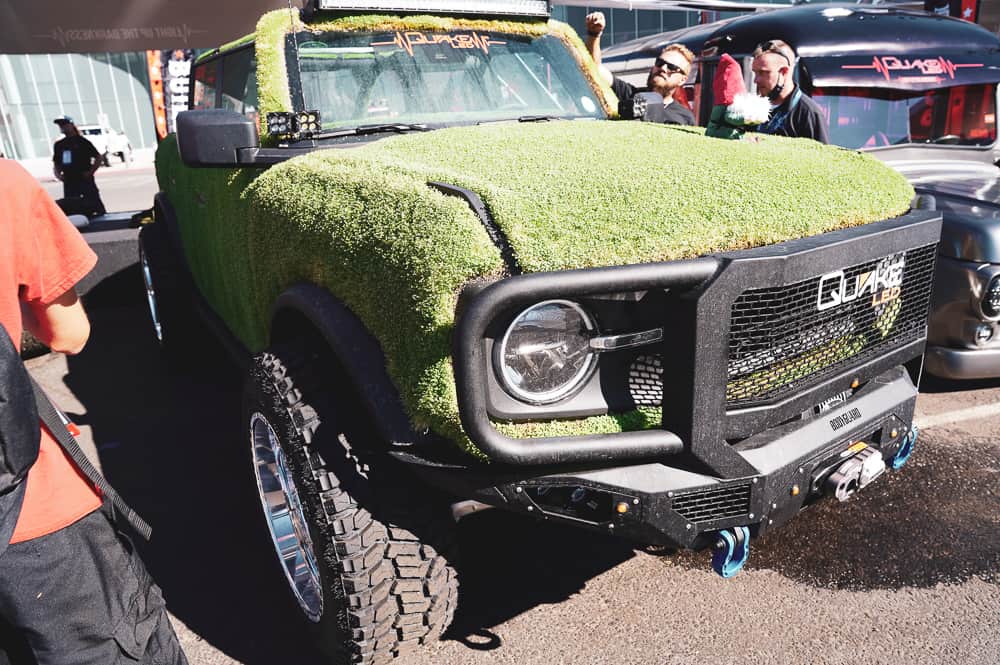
[54,256]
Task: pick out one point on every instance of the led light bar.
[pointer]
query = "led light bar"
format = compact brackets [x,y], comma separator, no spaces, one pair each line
[541,8]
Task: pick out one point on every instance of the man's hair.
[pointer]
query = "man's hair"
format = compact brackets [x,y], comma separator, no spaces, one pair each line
[777,47]
[679,48]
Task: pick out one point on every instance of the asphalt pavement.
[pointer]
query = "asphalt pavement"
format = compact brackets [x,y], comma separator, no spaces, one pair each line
[907,572]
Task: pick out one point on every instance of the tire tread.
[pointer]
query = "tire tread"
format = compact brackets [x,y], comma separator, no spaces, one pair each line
[397,591]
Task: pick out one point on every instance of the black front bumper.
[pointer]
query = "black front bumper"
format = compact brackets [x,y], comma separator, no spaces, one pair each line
[757,345]
[679,504]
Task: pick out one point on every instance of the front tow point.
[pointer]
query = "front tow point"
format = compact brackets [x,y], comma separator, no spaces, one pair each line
[905,448]
[731,551]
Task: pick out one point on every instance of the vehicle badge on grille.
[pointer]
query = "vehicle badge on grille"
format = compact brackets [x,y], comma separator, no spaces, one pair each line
[884,283]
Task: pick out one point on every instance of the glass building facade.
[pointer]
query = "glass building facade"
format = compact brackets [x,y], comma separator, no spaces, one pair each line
[96,88]
[624,24]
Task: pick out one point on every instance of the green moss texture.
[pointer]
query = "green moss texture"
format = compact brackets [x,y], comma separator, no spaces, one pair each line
[363,223]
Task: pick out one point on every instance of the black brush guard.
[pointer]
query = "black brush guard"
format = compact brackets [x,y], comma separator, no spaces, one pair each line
[749,355]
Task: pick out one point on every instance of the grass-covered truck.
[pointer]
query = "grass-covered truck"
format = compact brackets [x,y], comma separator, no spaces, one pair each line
[455,281]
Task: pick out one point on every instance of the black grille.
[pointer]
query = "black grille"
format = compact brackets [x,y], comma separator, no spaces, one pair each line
[714,504]
[780,341]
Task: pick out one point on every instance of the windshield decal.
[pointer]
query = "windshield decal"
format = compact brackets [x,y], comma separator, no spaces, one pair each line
[932,70]
[408,40]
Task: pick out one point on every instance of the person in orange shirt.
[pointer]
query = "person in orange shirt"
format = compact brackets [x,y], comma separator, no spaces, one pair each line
[70,581]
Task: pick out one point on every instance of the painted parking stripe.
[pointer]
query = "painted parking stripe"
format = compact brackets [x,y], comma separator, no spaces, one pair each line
[949,417]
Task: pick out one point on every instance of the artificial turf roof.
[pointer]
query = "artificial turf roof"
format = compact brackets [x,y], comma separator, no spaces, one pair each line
[272,28]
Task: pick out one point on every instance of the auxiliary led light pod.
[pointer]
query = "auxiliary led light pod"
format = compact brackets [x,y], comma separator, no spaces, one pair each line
[293,125]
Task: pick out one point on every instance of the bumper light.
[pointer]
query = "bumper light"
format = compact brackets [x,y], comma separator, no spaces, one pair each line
[991,299]
[984,333]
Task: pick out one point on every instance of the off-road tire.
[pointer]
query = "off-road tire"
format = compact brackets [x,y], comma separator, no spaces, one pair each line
[172,291]
[381,542]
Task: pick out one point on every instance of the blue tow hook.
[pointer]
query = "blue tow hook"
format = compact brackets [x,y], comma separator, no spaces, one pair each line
[731,551]
[905,448]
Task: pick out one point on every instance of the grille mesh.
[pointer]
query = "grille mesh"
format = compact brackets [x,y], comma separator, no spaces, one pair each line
[779,340]
[645,380]
[714,504]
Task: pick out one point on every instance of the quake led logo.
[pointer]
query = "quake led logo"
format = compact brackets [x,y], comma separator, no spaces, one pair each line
[409,40]
[936,68]
[884,284]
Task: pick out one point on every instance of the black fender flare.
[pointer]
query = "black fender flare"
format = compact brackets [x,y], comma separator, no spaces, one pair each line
[163,212]
[359,354]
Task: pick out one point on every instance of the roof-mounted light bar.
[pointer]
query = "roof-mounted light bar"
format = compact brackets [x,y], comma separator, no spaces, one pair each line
[539,8]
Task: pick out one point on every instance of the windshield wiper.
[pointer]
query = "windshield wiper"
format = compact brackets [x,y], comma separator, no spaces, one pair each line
[538,118]
[364,130]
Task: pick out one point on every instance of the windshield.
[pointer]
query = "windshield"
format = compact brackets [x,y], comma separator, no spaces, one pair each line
[872,117]
[436,77]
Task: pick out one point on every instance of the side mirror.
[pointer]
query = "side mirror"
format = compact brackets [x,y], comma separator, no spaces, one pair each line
[214,137]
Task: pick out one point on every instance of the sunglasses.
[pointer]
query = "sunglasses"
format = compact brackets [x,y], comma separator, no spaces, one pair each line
[669,66]
[771,47]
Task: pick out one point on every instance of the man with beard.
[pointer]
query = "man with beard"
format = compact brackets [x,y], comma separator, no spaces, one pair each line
[793,113]
[669,72]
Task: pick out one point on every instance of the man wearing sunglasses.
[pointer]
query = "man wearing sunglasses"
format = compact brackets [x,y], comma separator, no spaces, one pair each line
[669,72]
[793,113]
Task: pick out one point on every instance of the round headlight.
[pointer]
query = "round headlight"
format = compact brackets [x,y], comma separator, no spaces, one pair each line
[545,354]
[991,299]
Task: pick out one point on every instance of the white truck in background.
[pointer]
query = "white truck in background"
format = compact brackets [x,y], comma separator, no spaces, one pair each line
[108,142]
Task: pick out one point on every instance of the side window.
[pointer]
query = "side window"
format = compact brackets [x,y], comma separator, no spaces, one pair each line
[206,80]
[239,82]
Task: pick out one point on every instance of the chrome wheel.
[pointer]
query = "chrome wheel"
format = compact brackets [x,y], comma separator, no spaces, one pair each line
[285,518]
[147,279]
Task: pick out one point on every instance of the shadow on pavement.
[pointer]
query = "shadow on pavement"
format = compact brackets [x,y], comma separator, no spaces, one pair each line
[932,384]
[933,522]
[169,440]
[511,564]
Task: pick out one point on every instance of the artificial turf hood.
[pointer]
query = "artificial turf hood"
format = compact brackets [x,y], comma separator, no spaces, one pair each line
[583,194]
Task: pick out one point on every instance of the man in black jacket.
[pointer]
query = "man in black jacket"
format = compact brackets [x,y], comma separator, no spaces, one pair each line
[668,73]
[793,113]
[74,162]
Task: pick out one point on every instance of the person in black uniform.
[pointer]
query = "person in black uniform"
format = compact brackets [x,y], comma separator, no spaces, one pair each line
[669,72]
[793,113]
[74,162]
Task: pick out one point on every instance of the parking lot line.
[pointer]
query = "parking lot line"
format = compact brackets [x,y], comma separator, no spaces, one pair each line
[950,417]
